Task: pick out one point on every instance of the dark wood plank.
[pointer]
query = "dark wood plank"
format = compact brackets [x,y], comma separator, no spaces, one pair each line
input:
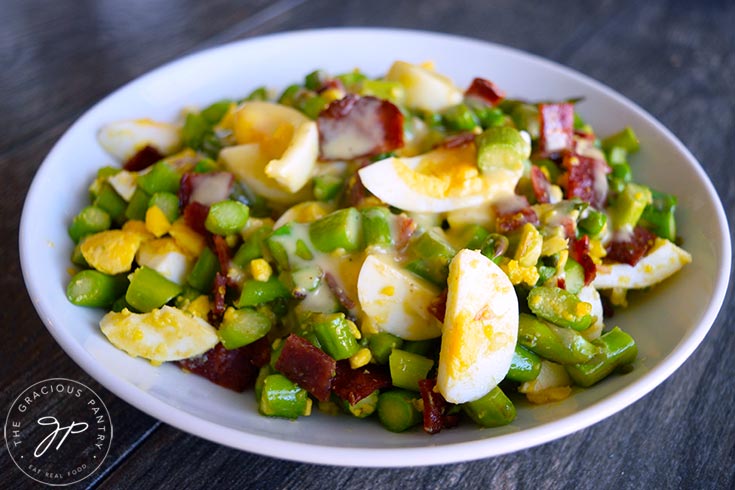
[62,61]
[42,94]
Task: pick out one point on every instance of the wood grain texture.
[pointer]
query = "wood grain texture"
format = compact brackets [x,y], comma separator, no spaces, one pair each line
[674,58]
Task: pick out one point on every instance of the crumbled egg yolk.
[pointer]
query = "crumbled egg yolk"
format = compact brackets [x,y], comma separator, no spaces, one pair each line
[260,269]
[597,251]
[554,243]
[519,274]
[186,238]
[112,251]
[360,359]
[199,307]
[156,221]
[139,227]
[227,123]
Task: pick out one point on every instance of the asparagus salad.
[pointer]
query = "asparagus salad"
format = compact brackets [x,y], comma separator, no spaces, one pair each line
[393,247]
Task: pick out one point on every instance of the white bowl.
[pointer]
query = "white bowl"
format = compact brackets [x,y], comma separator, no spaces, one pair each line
[667,322]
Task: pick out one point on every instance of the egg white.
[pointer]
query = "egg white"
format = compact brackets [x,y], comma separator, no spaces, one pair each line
[480,328]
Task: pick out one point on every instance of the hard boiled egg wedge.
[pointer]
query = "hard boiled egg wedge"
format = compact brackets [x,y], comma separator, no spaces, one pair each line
[165,334]
[480,328]
[123,139]
[425,89]
[663,260]
[395,300]
[165,257]
[277,151]
[124,183]
[445,179]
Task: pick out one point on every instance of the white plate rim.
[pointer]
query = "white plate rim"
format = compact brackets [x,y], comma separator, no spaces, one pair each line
[386,457]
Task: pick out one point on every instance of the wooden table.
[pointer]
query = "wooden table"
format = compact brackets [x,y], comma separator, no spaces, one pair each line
[674,58]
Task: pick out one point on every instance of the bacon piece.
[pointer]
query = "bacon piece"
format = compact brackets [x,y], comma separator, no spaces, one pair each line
[561,283]
[505,223]
[260,352]
[485,90]
[579,250]
[557,127]
[569,226]
[406,228]
[438,306]
[194,216]
[339,292]
[235,369]
[185,188]
[223,253]
[307,366]
[355,191]
[219,289]
[331,83]
[586,179]
[352,385]
[143,158]
[435,408]
[633,249]
[541,185]
[457,140]
[585,135]
[356,126]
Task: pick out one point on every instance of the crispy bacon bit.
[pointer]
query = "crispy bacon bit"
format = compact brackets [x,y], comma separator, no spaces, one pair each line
[194,216]
[235,369]
[406,228]
[561,283]
[585,135]
[260,352]
[457,140]
[219,289]
[505,223]
[579,250]
[569,226]
[352,385]
[438,306]
[339,292]
[633,249]
[586,179]
[185,188]
[144,158]
[331,83]
[485,90]
[355,191]
[307,366]
[356,126]
[435,408]
[223,253]
[557,127]
[541,185]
